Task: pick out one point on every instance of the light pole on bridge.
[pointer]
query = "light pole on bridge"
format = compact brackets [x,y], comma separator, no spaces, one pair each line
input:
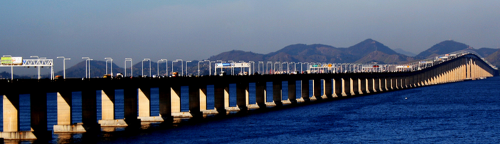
[109,59]
[187,73]
[252,70]
[64,65]
[182,64]
[166,66]
[131,67]
[209,69]
[87,72]
[142,63]
[259,65]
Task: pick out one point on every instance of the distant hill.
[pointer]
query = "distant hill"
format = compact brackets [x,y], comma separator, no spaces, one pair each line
[444,47]
[484,52]
[401,51]
[494,58]
[320,53]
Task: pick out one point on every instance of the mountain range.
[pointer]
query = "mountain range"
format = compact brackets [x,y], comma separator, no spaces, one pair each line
[367,51]
[364,52]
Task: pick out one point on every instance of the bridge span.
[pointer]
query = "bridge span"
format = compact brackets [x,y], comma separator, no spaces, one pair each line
[137,94]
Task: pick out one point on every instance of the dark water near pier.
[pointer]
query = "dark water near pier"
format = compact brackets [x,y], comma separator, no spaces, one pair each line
[463,112]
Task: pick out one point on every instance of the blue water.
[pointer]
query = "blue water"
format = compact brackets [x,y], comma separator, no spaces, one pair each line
[463,112]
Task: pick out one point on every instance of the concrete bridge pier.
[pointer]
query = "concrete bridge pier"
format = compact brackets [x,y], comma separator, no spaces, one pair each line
[195,101]
[394,85]
[316,89]
[337,88]
[403,83]
[383,86]
[64,113]
[11,119]
[410,81]
[346,85]
[305,90]
[175,100]
[370,85]
[354,86]
[327,89]
[202,90]
[260,93]
[292,91]
[388,83]
[221,97]
[38,105]
[165,103]
[108,109]
[242,92]
[414,81]
[361,86]
[376,84]
[277,85]
[144,98]
[434,76]
[130,106]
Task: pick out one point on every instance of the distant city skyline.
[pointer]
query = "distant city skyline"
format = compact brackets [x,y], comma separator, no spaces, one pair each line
[195,30]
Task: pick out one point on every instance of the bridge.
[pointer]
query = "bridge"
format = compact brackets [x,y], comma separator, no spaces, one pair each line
[137,97]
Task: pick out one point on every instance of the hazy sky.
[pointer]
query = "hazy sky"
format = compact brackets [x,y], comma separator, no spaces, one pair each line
[199,29]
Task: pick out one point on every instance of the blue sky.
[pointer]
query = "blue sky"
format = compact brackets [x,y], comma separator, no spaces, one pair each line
[199,29]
